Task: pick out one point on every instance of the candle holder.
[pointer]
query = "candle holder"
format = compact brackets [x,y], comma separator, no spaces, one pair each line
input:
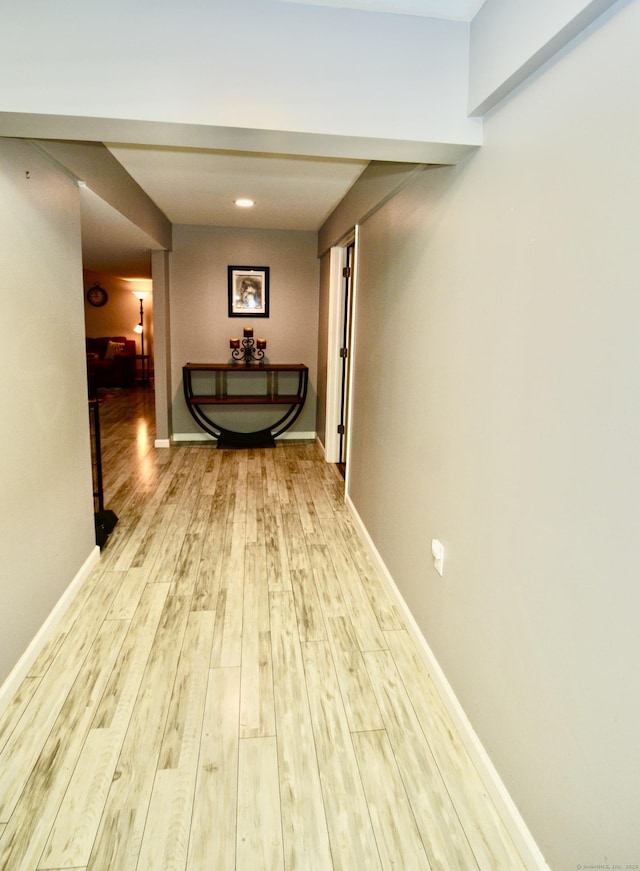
[245,350]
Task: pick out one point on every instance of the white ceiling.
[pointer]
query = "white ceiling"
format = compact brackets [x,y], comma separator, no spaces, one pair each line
[198,186]
[454,10]
[195,186]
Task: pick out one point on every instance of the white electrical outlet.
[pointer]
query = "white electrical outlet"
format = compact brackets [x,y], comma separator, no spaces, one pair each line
[437,549]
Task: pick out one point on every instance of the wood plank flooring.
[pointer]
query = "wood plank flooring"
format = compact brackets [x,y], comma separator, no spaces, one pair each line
[232,687]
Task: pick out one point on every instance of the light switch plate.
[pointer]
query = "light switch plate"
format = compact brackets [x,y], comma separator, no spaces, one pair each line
[437,549]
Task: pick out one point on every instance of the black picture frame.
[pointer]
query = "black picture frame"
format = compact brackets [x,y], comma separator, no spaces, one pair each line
[248,291]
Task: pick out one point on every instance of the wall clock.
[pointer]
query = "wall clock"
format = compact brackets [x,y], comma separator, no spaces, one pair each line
[97,295]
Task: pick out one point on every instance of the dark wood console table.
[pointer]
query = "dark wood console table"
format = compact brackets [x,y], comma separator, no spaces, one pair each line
[260,385]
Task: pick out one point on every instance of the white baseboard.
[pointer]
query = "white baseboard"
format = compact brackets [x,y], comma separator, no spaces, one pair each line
[21,668]
[509,813]
[205,437]
[292,435]
[191,437]
[162,443]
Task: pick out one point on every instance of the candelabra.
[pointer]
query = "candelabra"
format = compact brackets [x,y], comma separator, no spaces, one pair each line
[248,350]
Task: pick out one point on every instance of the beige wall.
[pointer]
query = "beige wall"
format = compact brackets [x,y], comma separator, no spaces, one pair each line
[162,346]
[46,508]
[379,182]
[498,329]
[200,326]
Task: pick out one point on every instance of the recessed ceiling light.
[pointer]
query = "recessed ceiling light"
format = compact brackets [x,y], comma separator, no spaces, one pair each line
[244,203]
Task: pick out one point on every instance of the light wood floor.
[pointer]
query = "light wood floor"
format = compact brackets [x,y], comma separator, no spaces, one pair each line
[232,688]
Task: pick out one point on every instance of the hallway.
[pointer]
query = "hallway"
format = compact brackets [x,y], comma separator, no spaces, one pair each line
[232,688]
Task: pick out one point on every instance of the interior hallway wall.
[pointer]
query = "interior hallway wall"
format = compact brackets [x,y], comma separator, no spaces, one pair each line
[46,508]
[201,327]
[498,329]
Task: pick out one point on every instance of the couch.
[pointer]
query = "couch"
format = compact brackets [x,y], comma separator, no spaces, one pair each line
[111,362]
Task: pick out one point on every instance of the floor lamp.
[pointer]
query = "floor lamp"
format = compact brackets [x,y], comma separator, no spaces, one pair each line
[141,295]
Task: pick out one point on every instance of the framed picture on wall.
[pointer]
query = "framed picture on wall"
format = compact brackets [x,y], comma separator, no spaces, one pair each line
[248,291]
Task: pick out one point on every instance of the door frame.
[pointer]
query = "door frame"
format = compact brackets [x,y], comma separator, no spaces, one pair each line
[338,261]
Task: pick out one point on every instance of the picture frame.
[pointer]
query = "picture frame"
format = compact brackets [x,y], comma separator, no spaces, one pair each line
[248,291]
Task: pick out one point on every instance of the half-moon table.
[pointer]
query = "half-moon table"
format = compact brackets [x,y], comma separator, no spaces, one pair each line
[254,384]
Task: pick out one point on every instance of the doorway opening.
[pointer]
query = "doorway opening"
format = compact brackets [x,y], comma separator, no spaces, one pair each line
[348,273]
[340,351]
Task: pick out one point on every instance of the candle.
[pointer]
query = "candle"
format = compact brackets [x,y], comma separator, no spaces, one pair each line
[234,343]
[262,344]
[248,332]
